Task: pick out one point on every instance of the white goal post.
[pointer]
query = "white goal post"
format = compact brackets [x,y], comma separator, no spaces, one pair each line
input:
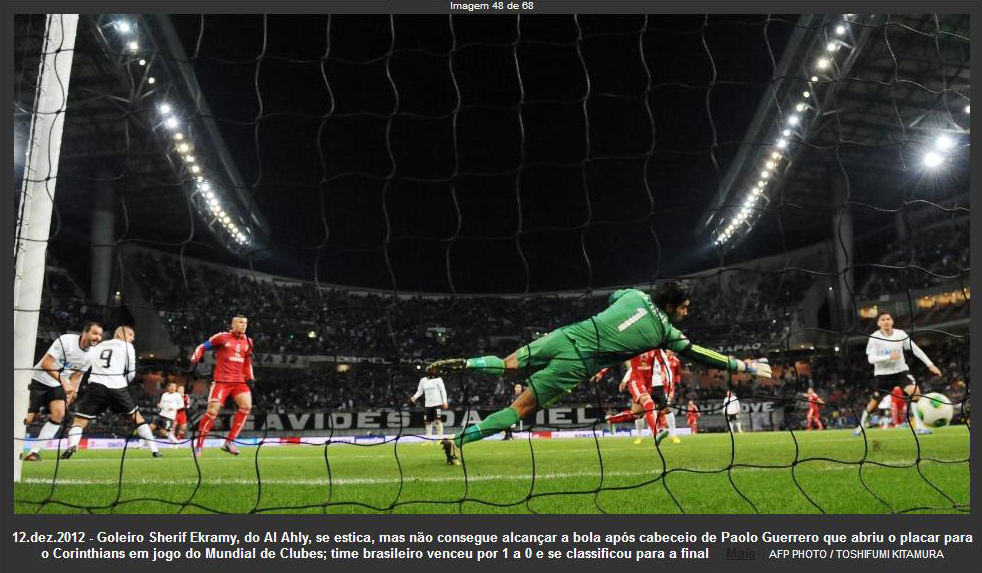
[43,149]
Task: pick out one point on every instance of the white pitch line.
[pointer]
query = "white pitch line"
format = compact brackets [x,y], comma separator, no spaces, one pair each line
[429,479]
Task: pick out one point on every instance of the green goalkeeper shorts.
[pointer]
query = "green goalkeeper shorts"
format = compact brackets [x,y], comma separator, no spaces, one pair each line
[553,367]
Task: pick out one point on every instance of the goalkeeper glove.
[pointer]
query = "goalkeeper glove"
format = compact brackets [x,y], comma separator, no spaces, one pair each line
[759,368]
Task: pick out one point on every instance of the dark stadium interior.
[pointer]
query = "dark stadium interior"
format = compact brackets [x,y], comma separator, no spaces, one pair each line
[416,188]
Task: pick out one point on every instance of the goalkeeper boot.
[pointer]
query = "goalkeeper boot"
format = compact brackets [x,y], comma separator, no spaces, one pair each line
[676,440]
[230,448]
[158,455]
[448,366]
[69,452]
[923,431]
[637,440]
[452,451]
[31,457]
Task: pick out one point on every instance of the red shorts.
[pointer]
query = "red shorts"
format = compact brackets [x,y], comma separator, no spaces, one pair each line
[637,388]
[812,412]
[181,418]
[221,391]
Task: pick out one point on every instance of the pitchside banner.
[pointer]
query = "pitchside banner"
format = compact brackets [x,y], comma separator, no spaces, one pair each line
[393,420]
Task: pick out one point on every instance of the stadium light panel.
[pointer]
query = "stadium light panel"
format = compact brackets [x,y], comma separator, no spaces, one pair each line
[191,159]
[776,155]
[171,122]
[800,107]
[151,80]
[211,199]
[932,159]
[840,29]
[124,26]
[143,62]
[765,174]
[195,169]
[832,47]
[782,143]
[786,133]
[183,148]
[770,165]
[178,136]
[967,108]
[814,78]
[133,46]
[806,94]
[210,195]
[822,63]
[164,108]
[794,119]
[205,186]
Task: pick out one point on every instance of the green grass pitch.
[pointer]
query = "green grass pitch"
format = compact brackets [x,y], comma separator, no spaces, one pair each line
[412,478]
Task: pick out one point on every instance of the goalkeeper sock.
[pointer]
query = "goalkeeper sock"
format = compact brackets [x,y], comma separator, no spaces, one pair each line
[439,429]
[491,425]
[143,430]
[670,421]
[490,365]
[429,429]
[639,426]
[238,421]
[207,421]
[918,422]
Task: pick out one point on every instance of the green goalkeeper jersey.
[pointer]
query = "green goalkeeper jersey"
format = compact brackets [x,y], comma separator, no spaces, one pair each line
[632,325]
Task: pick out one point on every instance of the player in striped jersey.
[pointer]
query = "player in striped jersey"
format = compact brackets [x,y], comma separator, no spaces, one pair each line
[53,385]
[435,397]
[113,367]
[885,351]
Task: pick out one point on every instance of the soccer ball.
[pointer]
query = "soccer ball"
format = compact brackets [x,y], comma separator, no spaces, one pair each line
[934,410]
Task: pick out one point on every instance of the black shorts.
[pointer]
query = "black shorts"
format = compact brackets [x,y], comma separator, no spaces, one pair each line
[658,396]
[732,417]
[165,423]
[98,397]
[431,414]
[880,386]
[42,395]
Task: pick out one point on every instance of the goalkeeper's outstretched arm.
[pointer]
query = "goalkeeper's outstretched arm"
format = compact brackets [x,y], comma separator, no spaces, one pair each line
[680,344]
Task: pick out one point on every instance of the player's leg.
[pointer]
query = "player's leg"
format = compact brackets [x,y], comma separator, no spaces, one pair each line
[670,422]
[523,406]
[869,409]
[914,393]
[89,406]
[427,425]
[639,429]
[143,430]
[438,422]
[528,359]
[242,396]
[216,399]
[169,427]
[56,415]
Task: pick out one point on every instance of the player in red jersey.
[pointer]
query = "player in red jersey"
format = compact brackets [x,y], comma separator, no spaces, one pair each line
[814,403]
[646,399]
[233,374]
[898,406]
[692,416]
[181,419]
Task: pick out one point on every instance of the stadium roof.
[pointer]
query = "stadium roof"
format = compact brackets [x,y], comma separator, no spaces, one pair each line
[893,86]
[562,171]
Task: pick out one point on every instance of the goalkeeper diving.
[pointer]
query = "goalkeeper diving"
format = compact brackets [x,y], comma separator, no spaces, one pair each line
[557,363]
